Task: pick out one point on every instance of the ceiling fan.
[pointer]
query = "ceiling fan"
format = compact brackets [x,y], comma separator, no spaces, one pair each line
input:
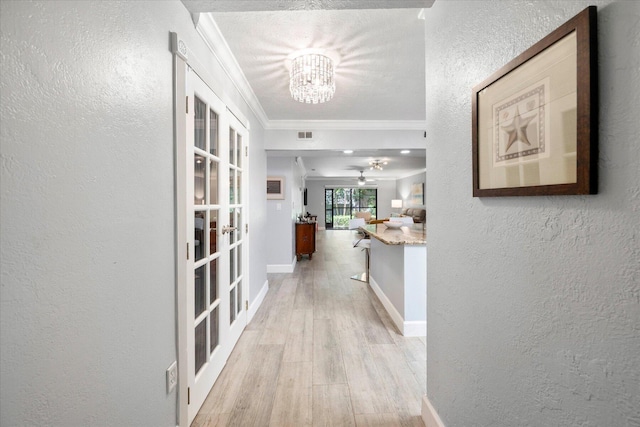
[361,179]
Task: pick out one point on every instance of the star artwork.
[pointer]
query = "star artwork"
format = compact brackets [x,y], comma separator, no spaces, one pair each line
[517,129]
[523,118]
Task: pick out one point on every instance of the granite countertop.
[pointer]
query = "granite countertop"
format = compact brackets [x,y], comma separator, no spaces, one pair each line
[411,234]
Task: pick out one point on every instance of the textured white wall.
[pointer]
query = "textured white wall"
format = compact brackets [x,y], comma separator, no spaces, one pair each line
[87,210]
[533,302]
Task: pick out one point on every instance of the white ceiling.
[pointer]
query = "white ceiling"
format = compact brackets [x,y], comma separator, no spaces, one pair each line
[380,75]
[335,164]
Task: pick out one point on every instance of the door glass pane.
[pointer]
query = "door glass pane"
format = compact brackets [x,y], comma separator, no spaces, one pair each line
[232,223]
[232,265]
[232,146]
[200,345]
[213,134]
[213,182]
[199,125]
[239,152]
[239,299]
[239,222]
[199,169]
[232,180]
[213,232]
[239,187]
[232,305]
[239,259]
[215,330]
[198,235]
[200,288]
[213,281]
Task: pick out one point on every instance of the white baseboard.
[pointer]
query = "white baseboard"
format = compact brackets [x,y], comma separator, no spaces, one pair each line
[430,417]
[407,329]
[282,268]
[257,301]
[415,329]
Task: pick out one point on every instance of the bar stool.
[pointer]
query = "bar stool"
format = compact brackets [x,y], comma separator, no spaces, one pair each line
[364,243]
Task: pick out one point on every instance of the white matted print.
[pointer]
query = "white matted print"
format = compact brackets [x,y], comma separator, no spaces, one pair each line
[527,127]
[520,125]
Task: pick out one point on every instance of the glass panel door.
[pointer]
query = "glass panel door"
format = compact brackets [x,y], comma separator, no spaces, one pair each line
[341,205]
[237,253]
[216,314]
[328,208]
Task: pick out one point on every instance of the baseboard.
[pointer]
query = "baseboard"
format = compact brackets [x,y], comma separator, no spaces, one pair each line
[407,329]
[415,329]
[430,417]
[257,301]
[282,268]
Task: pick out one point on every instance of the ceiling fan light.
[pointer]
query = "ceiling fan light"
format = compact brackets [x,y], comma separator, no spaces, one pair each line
[361,179]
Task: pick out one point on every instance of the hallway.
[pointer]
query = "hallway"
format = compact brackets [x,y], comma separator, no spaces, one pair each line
[321,350]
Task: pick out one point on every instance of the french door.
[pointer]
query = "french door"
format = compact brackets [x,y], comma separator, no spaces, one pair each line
[216,248]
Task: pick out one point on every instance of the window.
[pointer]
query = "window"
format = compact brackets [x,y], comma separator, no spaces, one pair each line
[341,205]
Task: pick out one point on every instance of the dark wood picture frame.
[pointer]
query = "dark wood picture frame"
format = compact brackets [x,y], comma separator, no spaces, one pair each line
[503,143]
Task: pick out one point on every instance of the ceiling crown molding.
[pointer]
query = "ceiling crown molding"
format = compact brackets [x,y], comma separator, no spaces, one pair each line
[210,33]
[347,124]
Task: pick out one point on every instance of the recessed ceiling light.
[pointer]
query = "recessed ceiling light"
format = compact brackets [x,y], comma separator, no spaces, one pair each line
[348,151]
[405,151]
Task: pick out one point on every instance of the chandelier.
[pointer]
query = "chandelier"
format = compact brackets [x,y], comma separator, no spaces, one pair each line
[377,164]
[311,78]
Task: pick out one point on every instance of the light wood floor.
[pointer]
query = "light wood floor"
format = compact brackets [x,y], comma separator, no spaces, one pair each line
[320,351]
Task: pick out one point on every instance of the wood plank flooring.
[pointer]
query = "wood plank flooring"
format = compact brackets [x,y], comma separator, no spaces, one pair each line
[320,351]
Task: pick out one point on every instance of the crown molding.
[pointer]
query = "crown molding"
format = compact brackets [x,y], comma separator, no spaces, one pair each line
[347,124]
[415,172]
[210,33]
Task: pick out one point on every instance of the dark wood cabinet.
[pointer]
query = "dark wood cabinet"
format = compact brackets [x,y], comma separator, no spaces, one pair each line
[305,239]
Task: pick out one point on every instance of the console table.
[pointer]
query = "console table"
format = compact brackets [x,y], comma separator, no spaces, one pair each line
[305,239]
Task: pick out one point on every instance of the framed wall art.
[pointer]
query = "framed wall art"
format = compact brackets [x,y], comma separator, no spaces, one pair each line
[275,188]
[535,120]
[417,194]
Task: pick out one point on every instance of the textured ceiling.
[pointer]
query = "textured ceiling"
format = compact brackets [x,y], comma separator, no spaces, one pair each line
[380,75]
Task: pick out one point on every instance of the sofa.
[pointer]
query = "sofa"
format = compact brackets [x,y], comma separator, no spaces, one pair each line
[419,215]
[364,215]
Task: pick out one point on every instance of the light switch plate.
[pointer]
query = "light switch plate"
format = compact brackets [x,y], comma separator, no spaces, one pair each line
[172,377]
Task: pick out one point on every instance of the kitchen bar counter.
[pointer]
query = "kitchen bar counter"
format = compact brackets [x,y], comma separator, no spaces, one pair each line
[398,274]
[410,234]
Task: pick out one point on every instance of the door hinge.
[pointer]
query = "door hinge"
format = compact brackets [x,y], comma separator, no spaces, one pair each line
[246,228]
[188,395]
[187,105]
[187,250]
[246,305]
[246,151]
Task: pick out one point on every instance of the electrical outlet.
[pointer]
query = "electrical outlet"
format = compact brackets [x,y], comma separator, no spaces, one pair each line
[172,377]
